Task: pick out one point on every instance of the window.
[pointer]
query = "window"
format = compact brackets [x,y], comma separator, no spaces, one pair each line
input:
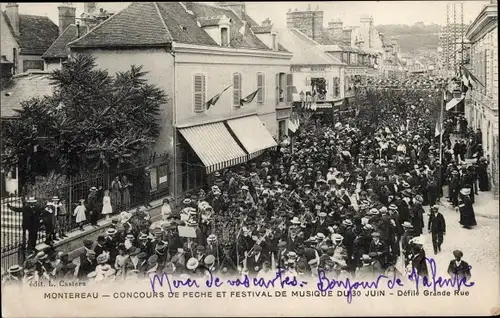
[236,89]
[14,60]
[199,90]
[224,37]
[289,87]
[32,65]
[261,83]
[336,87]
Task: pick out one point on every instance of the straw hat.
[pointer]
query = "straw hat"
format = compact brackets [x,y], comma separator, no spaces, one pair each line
[192,263]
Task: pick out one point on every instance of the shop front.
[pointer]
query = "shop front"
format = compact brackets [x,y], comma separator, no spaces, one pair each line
[208,148]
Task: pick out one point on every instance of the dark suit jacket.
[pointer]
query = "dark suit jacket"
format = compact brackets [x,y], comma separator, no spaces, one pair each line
[462,270]
[252,263]
[437,223]
[86,267]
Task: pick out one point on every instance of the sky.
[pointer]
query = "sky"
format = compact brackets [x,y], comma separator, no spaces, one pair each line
[383,12]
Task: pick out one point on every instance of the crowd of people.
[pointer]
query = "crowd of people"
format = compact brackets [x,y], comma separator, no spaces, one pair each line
[347,200]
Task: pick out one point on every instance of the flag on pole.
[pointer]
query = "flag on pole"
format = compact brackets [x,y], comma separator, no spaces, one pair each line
[248,99]
[437,131]
[451,101]
[215,99]
[468,78]
[292,126]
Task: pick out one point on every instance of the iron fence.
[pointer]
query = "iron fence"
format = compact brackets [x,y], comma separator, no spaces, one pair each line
[142,187]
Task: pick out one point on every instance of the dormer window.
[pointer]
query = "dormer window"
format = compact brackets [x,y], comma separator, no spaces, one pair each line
[224,36]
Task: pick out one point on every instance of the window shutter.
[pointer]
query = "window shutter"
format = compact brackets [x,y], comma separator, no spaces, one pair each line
[199,92]
[278,87]
[236,89]
[289,87]
[485,61]
[261,83]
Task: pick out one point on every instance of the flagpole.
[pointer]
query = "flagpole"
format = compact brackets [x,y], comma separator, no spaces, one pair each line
[441,128]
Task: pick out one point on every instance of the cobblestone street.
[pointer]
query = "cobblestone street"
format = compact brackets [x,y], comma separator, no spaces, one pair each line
[480,244]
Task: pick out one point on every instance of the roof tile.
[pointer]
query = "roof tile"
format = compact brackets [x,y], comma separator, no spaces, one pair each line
[262,29]
[58,49]
[182,25]
[137,25]
[156,23]
[36,33]
[305,51]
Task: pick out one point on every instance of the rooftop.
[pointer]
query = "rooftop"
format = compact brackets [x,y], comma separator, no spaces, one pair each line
[36,33]
[161,23]
[58,49]
[305,50]
[21,88]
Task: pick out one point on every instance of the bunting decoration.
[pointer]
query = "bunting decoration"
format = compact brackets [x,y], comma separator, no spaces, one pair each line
[294,123]
[215,99]
[248,99]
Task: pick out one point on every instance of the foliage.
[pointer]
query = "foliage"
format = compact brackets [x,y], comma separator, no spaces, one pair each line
[46,187]
[93,120]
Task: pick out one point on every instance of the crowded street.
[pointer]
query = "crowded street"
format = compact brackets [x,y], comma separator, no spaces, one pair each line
[352,198]
[196,151]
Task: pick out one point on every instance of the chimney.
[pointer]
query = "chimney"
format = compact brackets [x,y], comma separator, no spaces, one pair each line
[67,16]
[88,7]
[335,28]
[238,7]
[266,22]
[12,11]
[346,35]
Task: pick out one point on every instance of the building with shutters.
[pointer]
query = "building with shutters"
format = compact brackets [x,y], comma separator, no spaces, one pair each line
[24,38]
[481,105]
[199,53]
[318,77]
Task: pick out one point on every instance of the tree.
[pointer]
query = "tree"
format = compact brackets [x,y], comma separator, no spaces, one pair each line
[91,121]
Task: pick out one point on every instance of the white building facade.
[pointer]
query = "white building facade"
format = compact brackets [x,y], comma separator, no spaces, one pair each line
[481,107]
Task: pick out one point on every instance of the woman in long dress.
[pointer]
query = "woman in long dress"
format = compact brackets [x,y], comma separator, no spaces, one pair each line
[106,205]
[125,193]
[116,194]
[467,215]
[482,175]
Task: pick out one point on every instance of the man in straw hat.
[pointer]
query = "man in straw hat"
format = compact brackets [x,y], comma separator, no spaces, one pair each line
[14,276]
[32,213]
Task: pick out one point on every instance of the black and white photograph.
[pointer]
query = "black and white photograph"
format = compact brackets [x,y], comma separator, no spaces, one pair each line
[206,158]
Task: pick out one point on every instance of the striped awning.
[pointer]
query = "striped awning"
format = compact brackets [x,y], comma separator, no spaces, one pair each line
[214,145]
[252,134]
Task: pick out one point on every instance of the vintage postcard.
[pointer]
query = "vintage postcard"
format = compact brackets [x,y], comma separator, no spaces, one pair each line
[228,159]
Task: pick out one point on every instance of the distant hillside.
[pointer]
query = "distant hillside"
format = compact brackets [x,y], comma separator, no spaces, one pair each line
[412,37]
